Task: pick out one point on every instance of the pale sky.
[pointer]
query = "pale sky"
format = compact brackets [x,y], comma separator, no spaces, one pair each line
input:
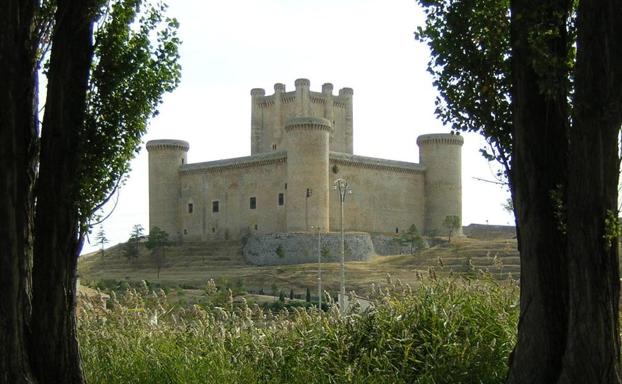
[232,46]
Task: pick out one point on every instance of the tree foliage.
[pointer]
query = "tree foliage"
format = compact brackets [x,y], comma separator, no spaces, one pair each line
[99,99]
[130,249]
[469,42]
[101,239]
[157,243]
[452,224]
[542,81]
[411,238]
[135,63]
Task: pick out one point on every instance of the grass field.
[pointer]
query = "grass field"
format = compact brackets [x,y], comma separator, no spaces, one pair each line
[439,331]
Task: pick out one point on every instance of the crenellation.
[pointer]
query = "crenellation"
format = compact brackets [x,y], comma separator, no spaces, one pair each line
[346,92]
[301,142]
[258,92]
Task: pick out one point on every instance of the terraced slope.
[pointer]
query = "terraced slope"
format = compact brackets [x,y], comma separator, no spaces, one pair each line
[192,264]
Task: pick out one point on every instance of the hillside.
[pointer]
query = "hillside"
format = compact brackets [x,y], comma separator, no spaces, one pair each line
[192,264]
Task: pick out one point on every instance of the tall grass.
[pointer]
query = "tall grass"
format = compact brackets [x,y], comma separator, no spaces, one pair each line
[441,331]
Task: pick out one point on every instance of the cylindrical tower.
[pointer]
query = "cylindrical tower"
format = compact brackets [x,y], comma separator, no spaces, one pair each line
[165,159]
[307,173]
[277,124]
[257,94]
[302,97]
[347,93]
[441,154]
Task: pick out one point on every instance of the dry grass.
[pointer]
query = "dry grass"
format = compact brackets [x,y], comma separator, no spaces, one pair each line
[193,264]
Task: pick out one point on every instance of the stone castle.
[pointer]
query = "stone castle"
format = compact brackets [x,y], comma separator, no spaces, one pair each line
[301,143]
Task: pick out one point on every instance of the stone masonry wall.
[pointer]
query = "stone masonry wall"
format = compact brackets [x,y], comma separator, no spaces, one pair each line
[300,248]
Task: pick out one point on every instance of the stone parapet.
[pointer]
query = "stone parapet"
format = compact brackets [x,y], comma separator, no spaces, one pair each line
[375,163]
[175,145]
[236,162]
[307,123]
[440,138]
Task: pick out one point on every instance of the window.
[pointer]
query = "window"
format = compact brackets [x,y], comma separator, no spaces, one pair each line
[215,207]
[285,186]
[213,229]
[397,230]
[255,227]
[190,207]
[281,199]
[253,202]
[273,147]
[185,231]
[182,161]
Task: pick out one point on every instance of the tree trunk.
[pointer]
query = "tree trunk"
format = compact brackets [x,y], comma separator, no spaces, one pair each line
[17,170]
[54,345]
[538,179]
[593,348]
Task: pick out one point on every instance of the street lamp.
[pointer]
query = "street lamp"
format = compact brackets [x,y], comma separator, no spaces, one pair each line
[343,188]
[308,194]
[319,267]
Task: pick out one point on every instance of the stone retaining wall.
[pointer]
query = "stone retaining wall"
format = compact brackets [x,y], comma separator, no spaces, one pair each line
[300,248]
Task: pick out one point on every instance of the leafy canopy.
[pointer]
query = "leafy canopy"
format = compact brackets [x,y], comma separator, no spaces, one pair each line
[135,63]
[157,239]
[469,42]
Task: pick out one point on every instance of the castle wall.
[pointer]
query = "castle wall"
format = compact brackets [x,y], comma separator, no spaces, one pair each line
[232,183]
[302,140]
[386,195]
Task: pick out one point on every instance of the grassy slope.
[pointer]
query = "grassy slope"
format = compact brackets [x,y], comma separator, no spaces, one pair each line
[193,264]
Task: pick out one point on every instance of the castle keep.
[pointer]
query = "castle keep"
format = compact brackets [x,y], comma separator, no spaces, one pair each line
[301,142]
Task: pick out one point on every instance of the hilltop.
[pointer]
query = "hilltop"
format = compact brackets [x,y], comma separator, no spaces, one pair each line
[191,265]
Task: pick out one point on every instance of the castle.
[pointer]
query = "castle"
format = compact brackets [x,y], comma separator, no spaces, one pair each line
[301,143]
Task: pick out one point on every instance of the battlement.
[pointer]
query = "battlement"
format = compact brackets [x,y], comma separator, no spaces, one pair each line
[440,138]
[301,84]
[236,163]
[175,145]
[375,163]
[307,123]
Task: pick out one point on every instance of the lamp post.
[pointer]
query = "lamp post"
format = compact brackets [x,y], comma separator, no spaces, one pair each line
[343,188]
[307,195]
[319,267]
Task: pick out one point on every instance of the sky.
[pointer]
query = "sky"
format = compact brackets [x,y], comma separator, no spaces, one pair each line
[229,47]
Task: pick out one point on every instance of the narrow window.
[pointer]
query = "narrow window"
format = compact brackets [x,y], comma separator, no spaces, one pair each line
[185,231]
[273,147]
[190,207]
[285,186]
[397,230]
[182,161]
[215,207]
[213,229]
[281,199]
[253,202]
[255,227]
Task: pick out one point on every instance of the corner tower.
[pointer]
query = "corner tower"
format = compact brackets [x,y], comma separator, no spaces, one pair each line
[441,154]
[165,159]
[307,173]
